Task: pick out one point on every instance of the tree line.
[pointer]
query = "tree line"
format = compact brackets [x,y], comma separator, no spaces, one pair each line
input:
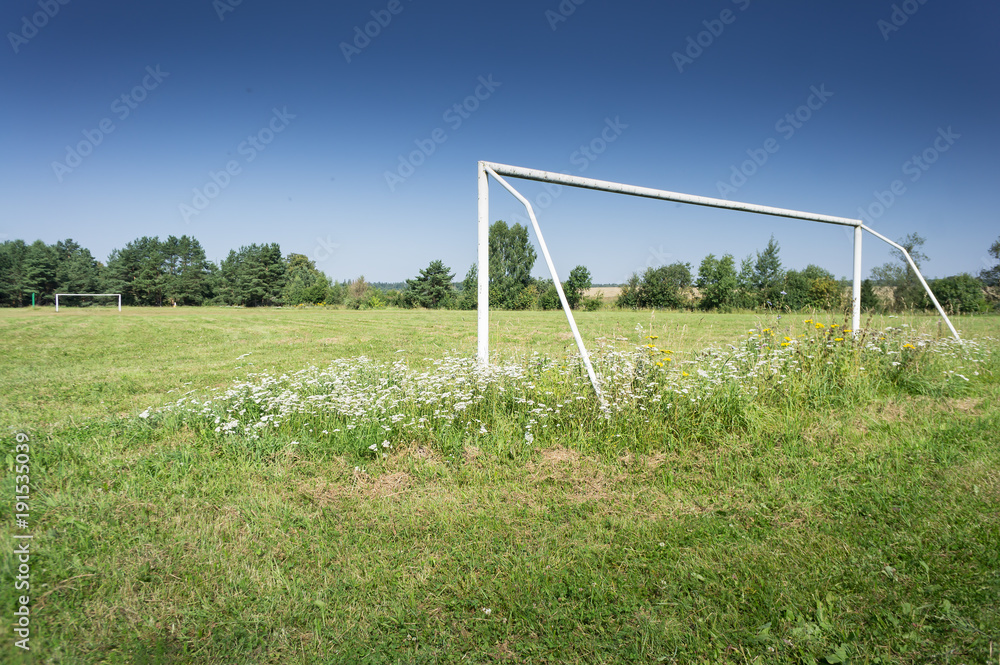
[150,271]
[153,272]
[761,282]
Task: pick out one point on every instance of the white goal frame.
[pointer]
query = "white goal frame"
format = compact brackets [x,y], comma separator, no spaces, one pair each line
[487,169]
[90,294]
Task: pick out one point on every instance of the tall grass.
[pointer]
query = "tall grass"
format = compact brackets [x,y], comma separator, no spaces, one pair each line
[363,407]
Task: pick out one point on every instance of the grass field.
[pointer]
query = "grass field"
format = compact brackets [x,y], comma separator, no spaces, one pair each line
[240,486]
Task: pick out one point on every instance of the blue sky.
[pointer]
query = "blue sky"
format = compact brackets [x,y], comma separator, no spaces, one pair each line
[259,121]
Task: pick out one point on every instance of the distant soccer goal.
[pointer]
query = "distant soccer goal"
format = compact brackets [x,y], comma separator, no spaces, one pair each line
[67,295]
[487,169]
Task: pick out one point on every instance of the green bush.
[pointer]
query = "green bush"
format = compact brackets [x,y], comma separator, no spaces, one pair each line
[960,294]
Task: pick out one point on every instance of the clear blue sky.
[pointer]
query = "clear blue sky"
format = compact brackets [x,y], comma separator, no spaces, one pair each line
[310,117]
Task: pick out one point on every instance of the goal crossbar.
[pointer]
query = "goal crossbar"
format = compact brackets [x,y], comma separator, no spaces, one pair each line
[496,170]
[90,294]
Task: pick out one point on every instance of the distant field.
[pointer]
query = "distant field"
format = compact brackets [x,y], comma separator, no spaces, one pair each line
[240,486]
[609,293]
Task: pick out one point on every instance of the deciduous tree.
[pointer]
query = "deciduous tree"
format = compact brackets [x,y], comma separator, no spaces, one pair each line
[717,280]
[991,275]
[511,258]
[576,284]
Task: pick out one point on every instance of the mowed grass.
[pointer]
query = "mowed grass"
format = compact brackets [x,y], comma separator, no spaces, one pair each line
[855,524]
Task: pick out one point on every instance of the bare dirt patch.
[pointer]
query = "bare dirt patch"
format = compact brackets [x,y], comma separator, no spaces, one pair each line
[581,477]
[965,405]
[898,411]
[558,456]
[470,454]
[362,485]
[393,484]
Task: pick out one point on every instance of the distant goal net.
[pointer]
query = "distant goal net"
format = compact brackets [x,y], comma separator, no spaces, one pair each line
[89,295]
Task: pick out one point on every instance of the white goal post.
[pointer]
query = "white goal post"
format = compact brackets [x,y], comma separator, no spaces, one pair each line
[487,169]
[90,294]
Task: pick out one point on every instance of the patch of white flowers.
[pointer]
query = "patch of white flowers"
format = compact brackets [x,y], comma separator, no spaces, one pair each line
[388,401]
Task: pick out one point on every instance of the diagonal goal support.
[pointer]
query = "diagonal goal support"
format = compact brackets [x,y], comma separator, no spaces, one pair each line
[555,280]
[487,169]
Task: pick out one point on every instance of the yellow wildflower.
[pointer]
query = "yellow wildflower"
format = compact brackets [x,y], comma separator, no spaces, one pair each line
[685,374]
[838,339]
[909,346]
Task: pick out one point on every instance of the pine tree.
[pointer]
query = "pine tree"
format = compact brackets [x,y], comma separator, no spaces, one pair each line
[469,298]
[432,288]
[76,269]
[253,276]
[40,271]
[12,273]
[192,285]
[768,275]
